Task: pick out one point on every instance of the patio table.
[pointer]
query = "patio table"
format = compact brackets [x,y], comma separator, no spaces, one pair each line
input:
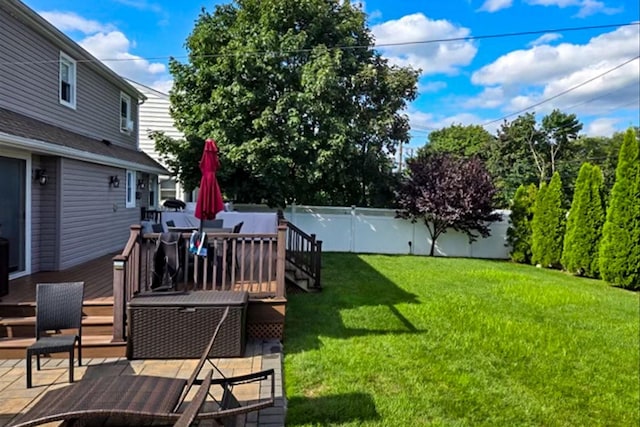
[104,396]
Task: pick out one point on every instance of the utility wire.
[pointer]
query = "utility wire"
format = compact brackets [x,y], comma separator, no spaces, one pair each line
[564,92]
[342,47]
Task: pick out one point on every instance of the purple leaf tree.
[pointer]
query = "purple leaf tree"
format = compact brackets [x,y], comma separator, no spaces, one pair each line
[448,192]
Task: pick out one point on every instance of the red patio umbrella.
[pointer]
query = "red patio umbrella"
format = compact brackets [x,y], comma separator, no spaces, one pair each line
[209,196]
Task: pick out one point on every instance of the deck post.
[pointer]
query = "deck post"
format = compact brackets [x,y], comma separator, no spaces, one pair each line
[122,268]
[280,259]
[119,274]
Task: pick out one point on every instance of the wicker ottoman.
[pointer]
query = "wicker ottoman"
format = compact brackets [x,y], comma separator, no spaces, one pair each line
[179,326]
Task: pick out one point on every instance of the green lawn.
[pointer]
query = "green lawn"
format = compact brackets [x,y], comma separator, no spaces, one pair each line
[411,341]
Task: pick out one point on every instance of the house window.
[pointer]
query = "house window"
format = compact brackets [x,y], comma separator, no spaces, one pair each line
[167,188]
[67,81]
[126,121]
[131,190]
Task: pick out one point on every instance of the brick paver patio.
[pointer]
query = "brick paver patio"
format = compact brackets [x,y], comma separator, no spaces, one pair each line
[15,398]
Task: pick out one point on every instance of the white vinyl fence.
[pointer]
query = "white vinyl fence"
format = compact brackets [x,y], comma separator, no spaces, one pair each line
[365,230]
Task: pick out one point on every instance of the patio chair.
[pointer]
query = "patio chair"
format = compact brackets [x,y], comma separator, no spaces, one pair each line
[167,262]
[152,413]
[229,255]
[212,223]
[58,307]
[148,397]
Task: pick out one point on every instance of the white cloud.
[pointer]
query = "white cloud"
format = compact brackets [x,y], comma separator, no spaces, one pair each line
[490,97]
[541,64]
[604,126]
[421,121]
[586,7]
[142,5]
[69,21]
[495,5]
[545,39]
[431,58]
[431,87]
[113,49]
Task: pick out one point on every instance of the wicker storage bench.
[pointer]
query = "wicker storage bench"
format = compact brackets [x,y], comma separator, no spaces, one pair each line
[179,326]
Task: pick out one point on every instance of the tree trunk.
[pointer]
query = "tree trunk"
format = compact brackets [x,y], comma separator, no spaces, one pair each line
[433,246]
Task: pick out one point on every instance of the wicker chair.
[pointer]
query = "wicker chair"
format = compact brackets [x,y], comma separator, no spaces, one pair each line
[58,307]
[134,400]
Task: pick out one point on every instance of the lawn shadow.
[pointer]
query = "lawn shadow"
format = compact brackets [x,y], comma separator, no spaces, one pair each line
[333,409]
[348,283]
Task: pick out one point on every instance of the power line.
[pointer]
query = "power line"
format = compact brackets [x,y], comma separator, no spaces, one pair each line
[564,92]
[599,96]
[342,47]
[502,35]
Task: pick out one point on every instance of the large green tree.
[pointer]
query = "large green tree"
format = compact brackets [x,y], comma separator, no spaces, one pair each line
[548,226]
[509,160]
[619,254]
[527,151]
[584,224]
[464,141]
[302,107]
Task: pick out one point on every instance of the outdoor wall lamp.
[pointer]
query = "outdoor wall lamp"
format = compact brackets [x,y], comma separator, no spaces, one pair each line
[41,176]
[141,184]
[114,181]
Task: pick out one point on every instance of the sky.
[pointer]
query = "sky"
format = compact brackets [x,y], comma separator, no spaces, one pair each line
[593,73]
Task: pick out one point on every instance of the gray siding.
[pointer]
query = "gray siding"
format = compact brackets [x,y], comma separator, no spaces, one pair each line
[29,85]
[44,217]
[94,220]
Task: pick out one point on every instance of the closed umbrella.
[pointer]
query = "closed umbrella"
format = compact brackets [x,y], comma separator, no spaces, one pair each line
[209,196]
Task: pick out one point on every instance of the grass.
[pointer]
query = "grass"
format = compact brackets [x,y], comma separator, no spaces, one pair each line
[419,341]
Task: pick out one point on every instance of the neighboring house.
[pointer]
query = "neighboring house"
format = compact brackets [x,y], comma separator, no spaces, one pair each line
[155,116]
[72,179]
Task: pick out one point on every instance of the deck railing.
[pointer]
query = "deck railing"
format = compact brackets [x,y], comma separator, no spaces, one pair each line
[234,261]
[304,251]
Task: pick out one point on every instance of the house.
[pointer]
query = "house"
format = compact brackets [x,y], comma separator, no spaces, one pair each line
[72,176]
[154,116]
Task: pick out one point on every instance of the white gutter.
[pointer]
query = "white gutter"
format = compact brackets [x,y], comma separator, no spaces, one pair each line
[47,148]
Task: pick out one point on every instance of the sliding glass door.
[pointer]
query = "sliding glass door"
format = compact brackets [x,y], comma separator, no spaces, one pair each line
[13,210]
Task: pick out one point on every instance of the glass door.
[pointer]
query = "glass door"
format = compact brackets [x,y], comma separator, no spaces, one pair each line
[13,210]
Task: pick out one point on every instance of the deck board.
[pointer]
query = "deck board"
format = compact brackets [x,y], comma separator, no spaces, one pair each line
[97,276]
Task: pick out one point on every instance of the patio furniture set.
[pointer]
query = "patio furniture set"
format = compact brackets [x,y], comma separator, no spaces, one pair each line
[131,399]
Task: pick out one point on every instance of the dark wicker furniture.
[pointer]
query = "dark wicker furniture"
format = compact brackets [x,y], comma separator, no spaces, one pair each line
[178,326]
[138,399]
[58,307]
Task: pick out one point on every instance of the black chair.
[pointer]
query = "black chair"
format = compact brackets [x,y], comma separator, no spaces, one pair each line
[212,223]
[58,307]
[230,249]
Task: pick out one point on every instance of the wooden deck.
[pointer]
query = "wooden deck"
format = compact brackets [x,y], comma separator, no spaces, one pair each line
[97,276]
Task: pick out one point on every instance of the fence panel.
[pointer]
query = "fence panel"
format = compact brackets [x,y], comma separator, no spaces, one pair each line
[364,230]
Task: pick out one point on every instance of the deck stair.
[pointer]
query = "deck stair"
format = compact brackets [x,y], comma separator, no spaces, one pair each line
[303,258]
[17,331]
[297,276]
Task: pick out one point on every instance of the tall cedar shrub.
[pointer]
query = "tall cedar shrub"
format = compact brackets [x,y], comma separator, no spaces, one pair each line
[619,253]
[519,231]
[548,225]
[584,224]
